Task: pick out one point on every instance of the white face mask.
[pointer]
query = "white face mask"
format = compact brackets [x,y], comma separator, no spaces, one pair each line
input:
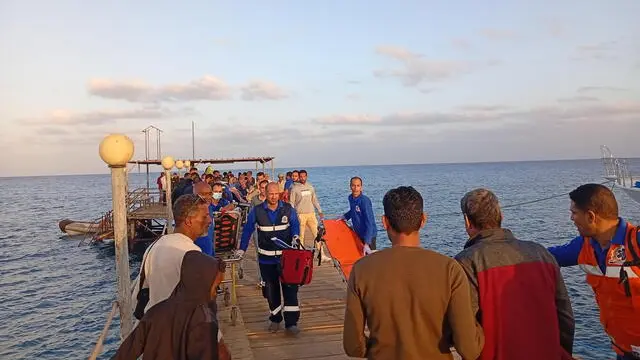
[217,196]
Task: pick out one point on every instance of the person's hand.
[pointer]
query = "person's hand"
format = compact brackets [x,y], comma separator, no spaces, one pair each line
[321,216]
[367,250]
[239,253]
[295,241]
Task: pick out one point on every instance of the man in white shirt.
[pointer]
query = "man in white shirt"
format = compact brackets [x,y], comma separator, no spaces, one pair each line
[163,260]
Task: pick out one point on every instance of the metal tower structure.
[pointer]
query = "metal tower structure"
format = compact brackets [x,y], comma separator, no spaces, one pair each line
[148,135]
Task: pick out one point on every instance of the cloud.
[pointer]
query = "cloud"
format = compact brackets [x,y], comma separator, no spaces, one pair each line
[353,97]
[497,34]
[100,117]
[416,69]
[462,44]
[354,82]
[589,89]
[206,88]
[262,90]
[489,115]
[598,51]
[578,99]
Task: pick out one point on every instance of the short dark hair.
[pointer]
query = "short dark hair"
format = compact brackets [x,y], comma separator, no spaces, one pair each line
[262,182]
[289,173]
[217,184]
[482,208]
[355,178]
[597,198]
[295,171]
[185,206]
[303,172]
[259,174]
[403,208]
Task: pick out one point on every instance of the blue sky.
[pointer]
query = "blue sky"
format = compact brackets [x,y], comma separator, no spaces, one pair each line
[319,82]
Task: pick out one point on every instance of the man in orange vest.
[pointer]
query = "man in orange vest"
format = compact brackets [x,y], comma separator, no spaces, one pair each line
[608,251]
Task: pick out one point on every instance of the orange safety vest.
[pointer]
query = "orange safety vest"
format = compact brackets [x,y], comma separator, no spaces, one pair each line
[617,290]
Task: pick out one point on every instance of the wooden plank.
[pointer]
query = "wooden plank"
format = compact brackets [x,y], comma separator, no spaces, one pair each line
[321,318]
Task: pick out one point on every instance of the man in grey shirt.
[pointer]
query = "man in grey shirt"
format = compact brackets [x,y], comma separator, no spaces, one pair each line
[303,198]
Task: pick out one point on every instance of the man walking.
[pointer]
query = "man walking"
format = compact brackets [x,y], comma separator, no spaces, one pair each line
[608,251]
[304,200]
[415,302]
[518,293]
[361,215]
[274,219]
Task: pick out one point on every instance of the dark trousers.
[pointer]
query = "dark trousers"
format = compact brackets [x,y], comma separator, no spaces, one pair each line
[271,291]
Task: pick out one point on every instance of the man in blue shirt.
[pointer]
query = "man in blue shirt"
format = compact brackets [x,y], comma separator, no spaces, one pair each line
[605,251]
[361,215]
[274,219]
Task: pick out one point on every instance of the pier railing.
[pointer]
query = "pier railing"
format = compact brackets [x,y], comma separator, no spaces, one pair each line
[615,169]
[142,197]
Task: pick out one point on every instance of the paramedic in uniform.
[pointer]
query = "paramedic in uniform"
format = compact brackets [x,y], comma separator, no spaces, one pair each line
[608,251]
[274,219]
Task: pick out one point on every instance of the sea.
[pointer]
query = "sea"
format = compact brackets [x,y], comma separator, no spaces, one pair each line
[55,292]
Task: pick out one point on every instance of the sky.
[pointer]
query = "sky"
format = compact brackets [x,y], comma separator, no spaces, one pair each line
[318,83]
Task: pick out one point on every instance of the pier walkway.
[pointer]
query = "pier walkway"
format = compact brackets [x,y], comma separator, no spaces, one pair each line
[321,317]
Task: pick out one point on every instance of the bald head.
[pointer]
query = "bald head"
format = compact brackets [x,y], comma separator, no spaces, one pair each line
[203,189]
[272,191]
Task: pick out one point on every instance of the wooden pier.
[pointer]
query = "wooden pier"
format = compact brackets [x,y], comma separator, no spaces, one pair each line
[322,306]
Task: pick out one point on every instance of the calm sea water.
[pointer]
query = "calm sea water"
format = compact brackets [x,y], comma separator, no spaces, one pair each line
[55,295]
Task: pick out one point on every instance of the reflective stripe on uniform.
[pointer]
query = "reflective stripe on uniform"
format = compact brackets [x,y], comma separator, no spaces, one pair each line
[276,310]
[612,271]
[591,269]
[291,308]
[269,252]
[273,228]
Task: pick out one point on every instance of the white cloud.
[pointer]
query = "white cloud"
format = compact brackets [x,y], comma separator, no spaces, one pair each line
[416,69]
[497,34]
[206,88]
[262,90]
[100,117]
[597,51]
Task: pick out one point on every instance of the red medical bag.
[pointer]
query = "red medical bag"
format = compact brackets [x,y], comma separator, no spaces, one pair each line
[296,266]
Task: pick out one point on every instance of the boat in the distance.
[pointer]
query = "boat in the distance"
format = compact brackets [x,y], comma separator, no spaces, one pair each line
[617,170]
[73,228]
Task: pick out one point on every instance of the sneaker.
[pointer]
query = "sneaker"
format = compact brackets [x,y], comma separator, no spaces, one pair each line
[273,326]
[292,330]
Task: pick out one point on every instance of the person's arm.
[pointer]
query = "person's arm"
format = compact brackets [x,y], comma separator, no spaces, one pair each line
[294,223]
[314,200]
[370,225]
[248,229]
[347,215]
[133,346]
[468,337]
[467,267]
[566,321]
[354,341]
[293,196]
[567,254]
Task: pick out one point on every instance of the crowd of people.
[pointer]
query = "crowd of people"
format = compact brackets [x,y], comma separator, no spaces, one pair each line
[499,298]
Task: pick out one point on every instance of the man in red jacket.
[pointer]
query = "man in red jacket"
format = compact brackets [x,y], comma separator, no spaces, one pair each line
[518,293]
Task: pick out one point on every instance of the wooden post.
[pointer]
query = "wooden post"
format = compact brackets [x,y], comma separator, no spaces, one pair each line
[118,188]
[167,176]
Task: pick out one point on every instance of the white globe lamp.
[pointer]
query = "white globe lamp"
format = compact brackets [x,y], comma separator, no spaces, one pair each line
[179,164]
[167,162]
[116,150]
[187,164]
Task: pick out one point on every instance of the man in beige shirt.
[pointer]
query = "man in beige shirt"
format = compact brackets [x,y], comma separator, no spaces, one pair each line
[415,302]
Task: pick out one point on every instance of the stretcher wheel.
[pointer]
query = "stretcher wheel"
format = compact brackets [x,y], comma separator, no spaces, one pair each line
[227,297]
[234,315]
[241,273]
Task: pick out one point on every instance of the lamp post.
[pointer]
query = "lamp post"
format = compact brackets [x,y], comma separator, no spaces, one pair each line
[179,165]
[167,164]
[116,150]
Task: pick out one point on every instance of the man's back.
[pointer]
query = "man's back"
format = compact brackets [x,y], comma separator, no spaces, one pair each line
[416,302]
[520,297]
[162,266]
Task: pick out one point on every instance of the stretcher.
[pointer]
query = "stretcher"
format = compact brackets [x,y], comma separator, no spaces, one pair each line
[227,228]
[342,243]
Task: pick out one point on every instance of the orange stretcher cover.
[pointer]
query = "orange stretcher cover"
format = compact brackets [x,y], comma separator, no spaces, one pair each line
[343,244]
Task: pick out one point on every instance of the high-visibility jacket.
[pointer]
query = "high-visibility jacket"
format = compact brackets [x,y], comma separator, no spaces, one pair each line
[617,290]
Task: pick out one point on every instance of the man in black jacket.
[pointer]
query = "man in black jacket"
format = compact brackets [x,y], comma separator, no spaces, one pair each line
[184,326]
